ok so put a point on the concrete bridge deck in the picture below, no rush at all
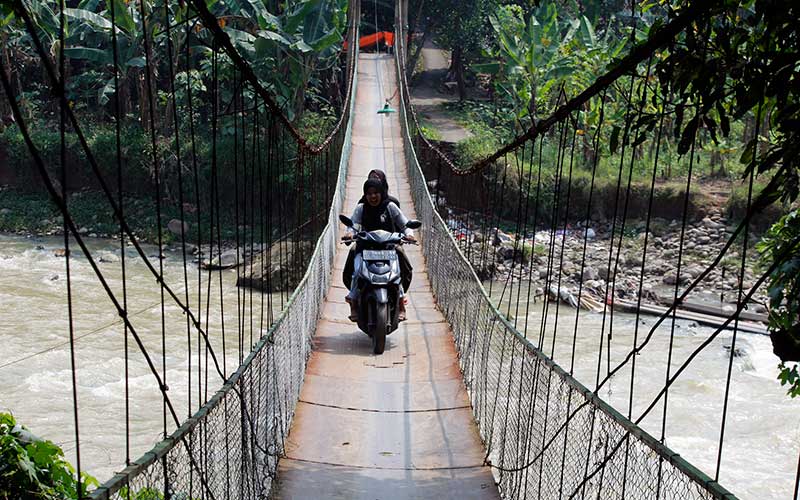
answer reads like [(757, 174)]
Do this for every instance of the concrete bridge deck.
[(397, 425)]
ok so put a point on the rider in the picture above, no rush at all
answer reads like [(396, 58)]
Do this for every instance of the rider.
[(377, 212), (379, 174), (406, 269)]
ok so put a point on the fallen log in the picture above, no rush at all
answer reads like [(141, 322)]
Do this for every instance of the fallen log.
[(703, 319)]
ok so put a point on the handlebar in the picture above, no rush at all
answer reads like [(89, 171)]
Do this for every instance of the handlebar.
[(349, 240)]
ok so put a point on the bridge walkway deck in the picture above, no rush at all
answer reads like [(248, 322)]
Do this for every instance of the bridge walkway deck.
[(397, 425)]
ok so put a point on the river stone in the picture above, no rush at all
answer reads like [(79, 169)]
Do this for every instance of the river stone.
[(694, 271), (279, 268), (506, 251), (228, 259), (5, 211), (604, 273), (670, 278), (655, 268), (108, 258), (590, 274), (174, 226), (633, 259)]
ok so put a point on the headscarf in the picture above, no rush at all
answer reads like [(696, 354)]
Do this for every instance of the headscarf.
[(381, 175), (371, 216)]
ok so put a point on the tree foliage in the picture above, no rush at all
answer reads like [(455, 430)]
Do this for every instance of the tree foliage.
[(35, 468), (539, 53), (292, 50), (743, 59)]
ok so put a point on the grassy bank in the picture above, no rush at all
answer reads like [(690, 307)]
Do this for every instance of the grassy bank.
[(33, 213), (546, 172)]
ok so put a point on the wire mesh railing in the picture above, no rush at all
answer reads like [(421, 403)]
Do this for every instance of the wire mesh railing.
[(538, 266), (544, 430), (211, 190)]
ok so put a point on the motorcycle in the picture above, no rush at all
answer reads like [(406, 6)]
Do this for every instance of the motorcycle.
[(378, 281)]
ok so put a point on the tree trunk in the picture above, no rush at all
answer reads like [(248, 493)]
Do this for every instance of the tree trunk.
[(125, 105), (458, 70), (412, 63), (415, 26), (144, 106), (5, 106)]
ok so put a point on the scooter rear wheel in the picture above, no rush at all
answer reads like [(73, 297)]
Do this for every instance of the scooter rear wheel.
[(380, 328)]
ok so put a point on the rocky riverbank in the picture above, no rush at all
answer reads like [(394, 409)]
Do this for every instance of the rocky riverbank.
[(503, 255)]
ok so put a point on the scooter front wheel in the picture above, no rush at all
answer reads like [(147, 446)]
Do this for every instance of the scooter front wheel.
[(380, 328)]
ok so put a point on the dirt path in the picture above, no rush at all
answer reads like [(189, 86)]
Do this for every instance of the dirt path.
[(427, 98)]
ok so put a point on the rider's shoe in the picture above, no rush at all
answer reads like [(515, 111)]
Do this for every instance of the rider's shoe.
[(353, 310), (401, 313)]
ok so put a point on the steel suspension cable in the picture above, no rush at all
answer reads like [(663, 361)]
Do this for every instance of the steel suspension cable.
[(62, 104)]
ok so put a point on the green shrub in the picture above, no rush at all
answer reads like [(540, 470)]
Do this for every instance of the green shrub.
[(529, 250), (136, 157), (315, 126), (483, 143), (430, 132), (34, 468)]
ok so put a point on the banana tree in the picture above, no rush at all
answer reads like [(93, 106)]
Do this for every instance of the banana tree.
[(288, 49), (94, 30), (531, 55), (537, 57)]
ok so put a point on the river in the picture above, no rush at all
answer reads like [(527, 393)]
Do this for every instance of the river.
[(763, 427), (35, 361), (762, 436)]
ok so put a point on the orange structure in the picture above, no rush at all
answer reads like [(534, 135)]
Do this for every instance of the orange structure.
[(374, 39)]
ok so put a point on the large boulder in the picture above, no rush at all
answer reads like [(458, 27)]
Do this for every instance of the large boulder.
[(175, 225), (670, 278), (227, 260), (279, 268), (590, 274)]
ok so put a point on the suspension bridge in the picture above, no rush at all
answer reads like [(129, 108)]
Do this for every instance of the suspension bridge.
[(475, 396)]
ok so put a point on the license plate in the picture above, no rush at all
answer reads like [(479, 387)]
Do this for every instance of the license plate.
[(379, 255)]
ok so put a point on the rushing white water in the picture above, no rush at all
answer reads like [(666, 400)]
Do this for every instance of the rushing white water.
[(762, 435), (35, 363), (763, 429)]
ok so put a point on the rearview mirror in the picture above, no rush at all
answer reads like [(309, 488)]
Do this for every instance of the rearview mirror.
[(345, 220), (413, 224)]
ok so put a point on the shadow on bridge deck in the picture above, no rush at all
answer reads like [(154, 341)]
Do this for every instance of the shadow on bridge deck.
[(396, 425)]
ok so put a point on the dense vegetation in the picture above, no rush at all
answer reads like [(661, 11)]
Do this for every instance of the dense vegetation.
[(294, 49)]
